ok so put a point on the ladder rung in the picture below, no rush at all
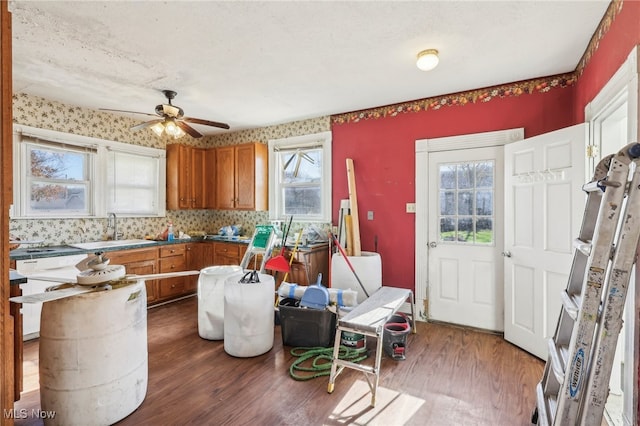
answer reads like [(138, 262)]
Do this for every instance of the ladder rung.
[(558, 357), (571, 304), (583, 247), (546, 407), (600, 185)]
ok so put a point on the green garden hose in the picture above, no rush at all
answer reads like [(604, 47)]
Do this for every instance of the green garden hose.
[(322, 360)]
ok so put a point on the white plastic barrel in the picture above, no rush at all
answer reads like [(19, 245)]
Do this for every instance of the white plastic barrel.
[(211, 300), (369, 270), (248, 316), (93, 356)]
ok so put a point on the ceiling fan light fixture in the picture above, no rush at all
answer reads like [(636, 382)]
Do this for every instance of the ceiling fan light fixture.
[(178, 133), (172, 129), (427, 60), (158, 128)]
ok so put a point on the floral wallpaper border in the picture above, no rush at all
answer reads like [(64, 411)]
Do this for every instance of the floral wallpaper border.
[(487, 94)]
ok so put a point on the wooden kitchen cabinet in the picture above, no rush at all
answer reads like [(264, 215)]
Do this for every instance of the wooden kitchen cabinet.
[(173, 258), (199, 256), (186, 187), (307, 263), (242, 177), (209, 176), (228, 253), (142, 261)]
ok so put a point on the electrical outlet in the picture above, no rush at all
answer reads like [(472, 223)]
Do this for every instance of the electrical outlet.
[(370, 215), (411, 207)]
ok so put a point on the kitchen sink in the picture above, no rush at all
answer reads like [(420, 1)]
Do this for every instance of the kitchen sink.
[(97, 245)]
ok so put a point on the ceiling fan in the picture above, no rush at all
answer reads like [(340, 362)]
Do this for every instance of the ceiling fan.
[(172, 120)]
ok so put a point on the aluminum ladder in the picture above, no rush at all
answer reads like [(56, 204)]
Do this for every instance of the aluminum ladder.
[(575, 383), (261, 245)]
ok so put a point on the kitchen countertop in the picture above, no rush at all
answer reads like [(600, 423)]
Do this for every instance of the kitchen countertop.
[(65, 250), (15, 278)]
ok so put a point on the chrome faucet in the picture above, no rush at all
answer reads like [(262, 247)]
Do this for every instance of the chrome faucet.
[(113, 224)]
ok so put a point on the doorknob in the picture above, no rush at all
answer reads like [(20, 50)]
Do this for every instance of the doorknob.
[(433, 244), (506, 253)]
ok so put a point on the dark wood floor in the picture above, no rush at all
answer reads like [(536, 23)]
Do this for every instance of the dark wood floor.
[(452, 376)]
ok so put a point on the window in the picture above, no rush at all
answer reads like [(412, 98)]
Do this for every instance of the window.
[(132, 183), (300, 178), (65, 175), (466, 202), (57, 179)]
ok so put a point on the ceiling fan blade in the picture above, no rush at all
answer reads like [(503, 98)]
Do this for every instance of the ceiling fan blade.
[(188, 129), (146, 124), (128, 112), (206, 122)]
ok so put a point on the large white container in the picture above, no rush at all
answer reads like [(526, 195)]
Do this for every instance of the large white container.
[(93, 356), (248, 316), (369, 270), (211, 300)]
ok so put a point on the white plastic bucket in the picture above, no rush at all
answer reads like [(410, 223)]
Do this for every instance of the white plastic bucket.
[(369, 270), (93, 356), (211, 300), (248, 316)]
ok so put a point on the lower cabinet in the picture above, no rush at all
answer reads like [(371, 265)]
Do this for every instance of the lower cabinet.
[(173, 258), (140, 262), (228, 253), (195, 257), (307, 263), (199, 256)]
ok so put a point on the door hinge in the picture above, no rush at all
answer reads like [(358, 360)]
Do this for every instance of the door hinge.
[(592, 151)]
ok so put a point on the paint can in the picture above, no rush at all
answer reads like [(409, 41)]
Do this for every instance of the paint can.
[(354, 341)]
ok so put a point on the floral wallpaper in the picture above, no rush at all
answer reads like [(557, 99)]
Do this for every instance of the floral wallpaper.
[(41, 113)]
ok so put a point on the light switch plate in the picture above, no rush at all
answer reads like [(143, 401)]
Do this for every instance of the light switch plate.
[(411, 207), (370, 215)]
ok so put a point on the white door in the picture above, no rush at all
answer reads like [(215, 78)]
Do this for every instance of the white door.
[(465, 237), (544, 205)]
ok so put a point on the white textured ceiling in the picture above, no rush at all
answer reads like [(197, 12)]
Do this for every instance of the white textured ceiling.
[(253, 64)]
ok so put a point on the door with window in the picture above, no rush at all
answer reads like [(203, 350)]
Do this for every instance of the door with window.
[(465, 237)]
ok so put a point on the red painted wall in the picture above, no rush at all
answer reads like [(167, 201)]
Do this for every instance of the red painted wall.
[(613, 50), (383, 149), (383, 152)]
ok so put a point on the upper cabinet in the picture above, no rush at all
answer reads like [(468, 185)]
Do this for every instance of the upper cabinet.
[(241, 177), (186, 170)]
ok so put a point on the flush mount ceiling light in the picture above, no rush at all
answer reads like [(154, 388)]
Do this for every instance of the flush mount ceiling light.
[(427, 59)]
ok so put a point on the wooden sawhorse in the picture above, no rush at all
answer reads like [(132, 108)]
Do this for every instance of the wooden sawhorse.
[(369, 318)]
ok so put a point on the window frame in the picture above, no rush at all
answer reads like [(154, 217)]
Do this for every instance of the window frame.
[(26, 149), (98, 163), (320, 140), (473, 216)]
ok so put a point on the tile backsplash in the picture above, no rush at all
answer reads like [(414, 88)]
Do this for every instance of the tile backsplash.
[(38, 112)]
